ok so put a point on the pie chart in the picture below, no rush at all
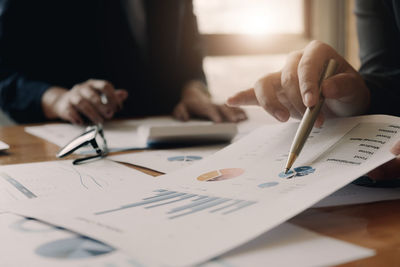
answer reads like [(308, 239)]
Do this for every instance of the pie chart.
[(184, 158), (220, 175), (73, 248)]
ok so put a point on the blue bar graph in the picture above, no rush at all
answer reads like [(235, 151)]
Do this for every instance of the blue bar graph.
[(191, 203)]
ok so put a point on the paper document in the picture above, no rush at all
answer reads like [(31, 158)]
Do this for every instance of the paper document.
[(355, 194), (53, 178), (167, 160), (229, 198), (45, 245), (27, 242), (289, 245)]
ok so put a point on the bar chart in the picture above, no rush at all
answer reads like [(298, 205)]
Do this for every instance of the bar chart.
[(184, 158), (191, 203)]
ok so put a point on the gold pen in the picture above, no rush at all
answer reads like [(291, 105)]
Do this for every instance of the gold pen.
[(309, 118)]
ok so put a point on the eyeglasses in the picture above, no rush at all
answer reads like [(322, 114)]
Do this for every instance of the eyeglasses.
[(94, 136)]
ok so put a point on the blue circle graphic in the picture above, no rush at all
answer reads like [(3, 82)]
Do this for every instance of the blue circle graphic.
[(297, 172), (287, 175)]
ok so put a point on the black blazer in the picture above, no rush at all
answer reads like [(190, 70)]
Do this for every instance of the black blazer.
[(45, 43), (378, 25)]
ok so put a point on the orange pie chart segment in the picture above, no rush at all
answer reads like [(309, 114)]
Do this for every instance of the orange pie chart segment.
[(220, 175)]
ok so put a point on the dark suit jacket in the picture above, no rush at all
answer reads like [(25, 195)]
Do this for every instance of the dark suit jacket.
[(378, 24), (64, 42)]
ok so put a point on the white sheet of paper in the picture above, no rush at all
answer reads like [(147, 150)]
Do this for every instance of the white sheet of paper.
[(170, 160), (38, 244), (167, 160), (52, 178), (229, 198), (27, 242), (290, 245), (355, 194)]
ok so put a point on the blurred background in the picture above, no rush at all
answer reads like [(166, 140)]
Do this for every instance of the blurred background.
[(245, 40)]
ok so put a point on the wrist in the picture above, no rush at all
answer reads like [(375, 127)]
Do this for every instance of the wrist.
[(50, 99)]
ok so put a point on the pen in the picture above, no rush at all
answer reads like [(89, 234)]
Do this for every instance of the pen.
[(309, 117)]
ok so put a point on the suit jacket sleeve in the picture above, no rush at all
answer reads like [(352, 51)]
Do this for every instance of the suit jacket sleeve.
[(379, 37), (20, 97)]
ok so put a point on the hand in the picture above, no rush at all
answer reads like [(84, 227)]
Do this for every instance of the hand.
[(389, 170), (83, 99), (196, 102), (288, 92)]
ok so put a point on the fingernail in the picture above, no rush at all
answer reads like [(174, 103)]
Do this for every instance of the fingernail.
[(308, 97), (280, 115)]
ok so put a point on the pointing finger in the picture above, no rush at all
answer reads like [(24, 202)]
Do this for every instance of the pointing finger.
[(243, 98)]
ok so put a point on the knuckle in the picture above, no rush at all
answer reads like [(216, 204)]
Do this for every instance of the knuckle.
[(294, 55), (106, 85), (289, 79), (316, 43), (76, 88), (319, 46), (93, 97), (103, 83)]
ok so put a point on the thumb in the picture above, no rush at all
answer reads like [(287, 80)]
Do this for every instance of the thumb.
[(246, 97)]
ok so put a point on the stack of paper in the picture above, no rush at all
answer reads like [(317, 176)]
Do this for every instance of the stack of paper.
[(229, 198)]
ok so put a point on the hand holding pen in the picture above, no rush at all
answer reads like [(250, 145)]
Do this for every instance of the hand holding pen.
[(309, 117), (289, 92), (93, 102)]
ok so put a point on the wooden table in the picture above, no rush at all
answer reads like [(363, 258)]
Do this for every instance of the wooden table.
[(375, 225)]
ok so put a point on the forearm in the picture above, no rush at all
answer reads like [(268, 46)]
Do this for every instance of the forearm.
[(21, 98)]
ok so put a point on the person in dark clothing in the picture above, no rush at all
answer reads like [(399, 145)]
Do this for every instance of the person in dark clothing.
[(96, 59), (375, 88)]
